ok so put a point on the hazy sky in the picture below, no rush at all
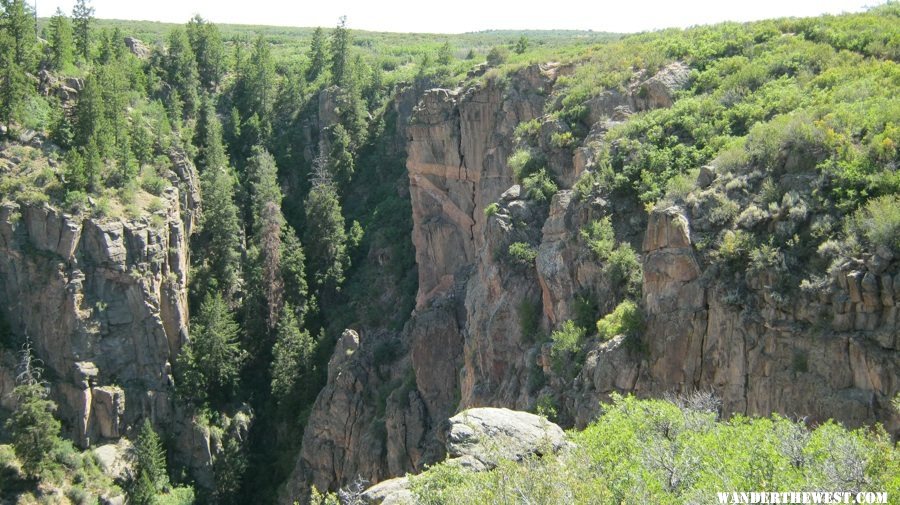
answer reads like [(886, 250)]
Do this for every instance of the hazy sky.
[(456, 16)]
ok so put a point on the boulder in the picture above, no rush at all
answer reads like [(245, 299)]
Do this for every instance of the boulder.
[(115, 459), (490, 434), (390, 492)]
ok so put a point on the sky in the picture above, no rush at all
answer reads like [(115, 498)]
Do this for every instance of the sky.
[(458, 16)]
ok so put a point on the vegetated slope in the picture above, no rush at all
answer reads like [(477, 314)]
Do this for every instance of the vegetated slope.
[(657, 451), (525, 188), (681, 210)]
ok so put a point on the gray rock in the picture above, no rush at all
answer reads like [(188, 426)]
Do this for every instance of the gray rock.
[(389, 492), (137, 47), (490, 434), (706, 177), (115, 459), (513, 193)]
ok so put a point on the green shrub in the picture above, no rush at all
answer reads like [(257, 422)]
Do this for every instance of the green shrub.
[(624, 268), (155, 205), (626, 319), (153, 183), (584, 186), (586, 310), (724, 211), (539, 186), (527, 131), (177, 496), (680, 186), (387, 351), (523, 163), (567, 338), (491, 209), (546, 406), (735, 247), (878, 222), (37, 113), (562, 140), (599, 237), (75, 201), (497, 55), (792, 136), (522, 253)]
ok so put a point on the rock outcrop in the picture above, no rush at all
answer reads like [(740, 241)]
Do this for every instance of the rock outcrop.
[(104, 302), (459, 143), (474, 339), (489, 435), (137, 48), (477, 440)]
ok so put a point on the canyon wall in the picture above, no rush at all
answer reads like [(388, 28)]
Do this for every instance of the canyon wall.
[(831, 352), (103, 301)]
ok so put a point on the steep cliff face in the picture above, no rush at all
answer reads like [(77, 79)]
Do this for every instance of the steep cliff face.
[(475, 336), (830, 353), (104, 302)]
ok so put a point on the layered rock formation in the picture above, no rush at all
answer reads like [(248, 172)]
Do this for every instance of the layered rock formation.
[(104, 302)]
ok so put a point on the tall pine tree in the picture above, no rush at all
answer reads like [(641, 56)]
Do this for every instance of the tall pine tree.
[(317, 55), (83, 17), (220, 238), (291, 358), (340, 45), (17, 21), (325, 235), (267, 229), (150, 478), (180, 68), (209, 51), (211, 361), (33, 430), (61, 44)]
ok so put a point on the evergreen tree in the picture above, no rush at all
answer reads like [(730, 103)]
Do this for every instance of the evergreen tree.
[(202, 138), (211, 361), (291, 356), (82, 17), (150, 478), (91, 114), (229, 468), (17, 43), (317, 55), (260, 81), (180, 68), (340, 45), (209, 51), (17, 22), (445, 54), (341, 159), (267, 229), (522, 45), (61, 43), (14, 88), (141, 140), (101, 120), (325, 236), (293, 272), (221, 234), (33, 430), (112, 47)]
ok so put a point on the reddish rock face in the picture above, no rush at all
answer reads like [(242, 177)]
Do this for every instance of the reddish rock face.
[(832, 353)]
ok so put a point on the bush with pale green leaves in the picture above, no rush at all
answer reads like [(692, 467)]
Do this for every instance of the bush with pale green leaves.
[(676, 452)]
